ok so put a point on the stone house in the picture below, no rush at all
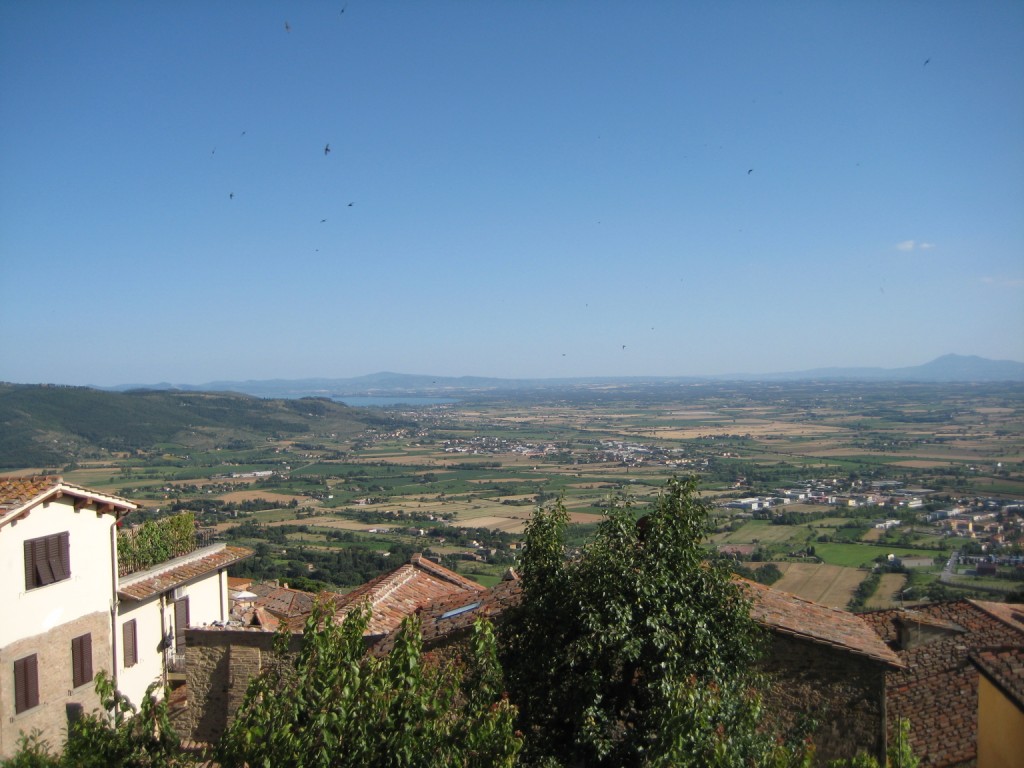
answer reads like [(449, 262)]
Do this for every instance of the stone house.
[(74, 612), (221, 660), (825, 663), (937, 688), (1000, 707)]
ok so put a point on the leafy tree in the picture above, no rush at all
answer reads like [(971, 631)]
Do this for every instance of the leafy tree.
[(335, 705), (121, 737), (899, 754), (636, 651)]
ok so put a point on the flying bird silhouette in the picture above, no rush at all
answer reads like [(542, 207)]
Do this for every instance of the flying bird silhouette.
[(351, 204), (327, 149), (231, 195), (926, 62), (322, 220), (287, 27), (750, 171)]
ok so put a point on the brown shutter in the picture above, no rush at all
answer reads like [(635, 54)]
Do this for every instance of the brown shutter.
[(44, 575), (128, 635), (180, 624), (47, 559), (30, 566), (54, 556), (26, 683), (64, 544), (81, 660)]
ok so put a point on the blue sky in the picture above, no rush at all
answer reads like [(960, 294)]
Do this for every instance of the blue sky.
[(514, 189)]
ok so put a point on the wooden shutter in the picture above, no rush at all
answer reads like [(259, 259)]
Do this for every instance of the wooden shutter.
[(180, 624), (41, 558), (30, 566), (47, 559), (60, 555), (26, 683), (130, 639), (81, 660)]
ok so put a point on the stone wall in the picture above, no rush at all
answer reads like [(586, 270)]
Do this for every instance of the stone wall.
[(58, 700), (839, 696), (219, 663)]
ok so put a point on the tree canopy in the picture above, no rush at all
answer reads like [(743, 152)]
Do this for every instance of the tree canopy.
[(636, 650)]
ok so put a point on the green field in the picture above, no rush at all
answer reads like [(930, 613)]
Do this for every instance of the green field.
[(863, 555)]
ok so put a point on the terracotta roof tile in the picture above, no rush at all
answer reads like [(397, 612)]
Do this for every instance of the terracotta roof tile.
[(179, 571), (19, 494), (1011, 614), (399, 593), (445, 619), (938, 688), (795, 616), (1005, 668), (283, 602)]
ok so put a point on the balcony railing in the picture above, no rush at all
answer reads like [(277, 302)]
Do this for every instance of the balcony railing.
[(158, 541), (175, 662)]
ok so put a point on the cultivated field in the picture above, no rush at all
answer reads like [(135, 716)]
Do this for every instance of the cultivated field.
[(830, 585)]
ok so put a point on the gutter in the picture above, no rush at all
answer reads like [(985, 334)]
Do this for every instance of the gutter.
[(113, 601)]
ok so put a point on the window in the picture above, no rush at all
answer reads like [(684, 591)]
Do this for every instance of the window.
[(181, 623), (26, 683), (81, 660), (129, 634), (47, 560)]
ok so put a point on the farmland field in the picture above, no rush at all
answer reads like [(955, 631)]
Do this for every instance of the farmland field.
[(830, 585), (485, 463)]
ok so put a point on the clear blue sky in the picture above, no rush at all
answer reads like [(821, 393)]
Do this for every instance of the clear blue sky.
[(514, 189)]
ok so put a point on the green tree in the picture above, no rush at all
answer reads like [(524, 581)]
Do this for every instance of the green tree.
[(336, 705), (119, 736), (636, 651)]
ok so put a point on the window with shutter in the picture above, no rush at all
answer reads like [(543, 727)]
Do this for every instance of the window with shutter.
[(81, 660), (47, 560), (181, 622), (130, 637), (26, 683)]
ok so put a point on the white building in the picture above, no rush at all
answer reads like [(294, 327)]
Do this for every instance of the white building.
[(71, 613)]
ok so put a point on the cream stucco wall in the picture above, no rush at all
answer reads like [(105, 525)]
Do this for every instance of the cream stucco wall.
[(133, 681), (1000, 728), (208, 601), (89, 589)]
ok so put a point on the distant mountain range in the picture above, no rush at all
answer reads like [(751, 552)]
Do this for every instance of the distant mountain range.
[(948, 368)]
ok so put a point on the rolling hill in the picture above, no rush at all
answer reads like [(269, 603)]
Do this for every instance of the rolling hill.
[(52, 425)]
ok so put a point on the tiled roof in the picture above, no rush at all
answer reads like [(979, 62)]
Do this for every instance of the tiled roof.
[(180, 570), (777, 611), (283, 602), (447, 618), (938, 688), (1011, 614), (239, 583), (396, 594), (1005, 668), (795, 616), (20, 494)]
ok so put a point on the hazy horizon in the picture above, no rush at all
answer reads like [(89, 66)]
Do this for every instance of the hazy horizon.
[(511, 190)]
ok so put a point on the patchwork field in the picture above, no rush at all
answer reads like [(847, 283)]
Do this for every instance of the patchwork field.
[(830, 585), (887, 594)]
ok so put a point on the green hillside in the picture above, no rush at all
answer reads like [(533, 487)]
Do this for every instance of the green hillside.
[(43, 426)]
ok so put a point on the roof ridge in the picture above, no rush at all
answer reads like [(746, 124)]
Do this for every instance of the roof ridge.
[(401, 575), (423, 563), (1016, 608)]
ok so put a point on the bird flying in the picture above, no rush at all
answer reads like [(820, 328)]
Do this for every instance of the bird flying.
[(327, 149)]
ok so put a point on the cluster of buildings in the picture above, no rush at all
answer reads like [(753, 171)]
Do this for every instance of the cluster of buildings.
[(954, 669)]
